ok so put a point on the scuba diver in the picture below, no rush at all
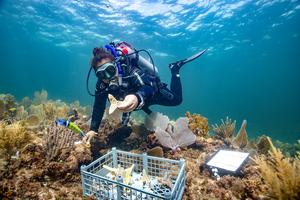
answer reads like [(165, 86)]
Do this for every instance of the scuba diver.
[(128, 76)]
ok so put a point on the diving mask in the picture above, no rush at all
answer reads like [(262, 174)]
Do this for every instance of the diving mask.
[(106, 71)]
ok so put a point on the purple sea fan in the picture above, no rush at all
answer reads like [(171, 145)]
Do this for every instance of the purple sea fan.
[(155, 120), (176, 136)]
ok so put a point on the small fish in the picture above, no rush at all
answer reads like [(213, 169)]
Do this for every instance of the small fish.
[(113, 104), (12, 109)]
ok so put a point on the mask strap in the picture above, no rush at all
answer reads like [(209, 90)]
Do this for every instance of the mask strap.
[(113, 51)]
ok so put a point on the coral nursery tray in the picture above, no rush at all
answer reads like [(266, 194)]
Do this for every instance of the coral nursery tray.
[(124, 175)]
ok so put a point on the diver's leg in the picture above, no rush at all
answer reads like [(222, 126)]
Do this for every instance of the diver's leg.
[(176, 88), (166, 96), (172, 96)]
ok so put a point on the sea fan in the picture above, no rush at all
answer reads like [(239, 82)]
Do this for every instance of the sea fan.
[(178, 136), (155, 120)]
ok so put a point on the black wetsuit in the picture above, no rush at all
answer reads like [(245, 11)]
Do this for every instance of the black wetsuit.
[(141, 84)]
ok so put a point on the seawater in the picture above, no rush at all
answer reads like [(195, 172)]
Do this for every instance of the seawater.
[(251, 69)]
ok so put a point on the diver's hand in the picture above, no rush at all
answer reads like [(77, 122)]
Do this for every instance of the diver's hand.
[(129, 104), (88, 136)]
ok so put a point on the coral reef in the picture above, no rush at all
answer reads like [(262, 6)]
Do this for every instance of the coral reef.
[(83, 110), (35, 176), (46, 110), (225, 129), (288, 149), (40, 97), (198, 124), (26, 102), (12, 138), (2, 109), (21, 113), (32, 120), (31, 168), (282, 174), (39, 160), (7, 107), (37, 110), (201, 185)]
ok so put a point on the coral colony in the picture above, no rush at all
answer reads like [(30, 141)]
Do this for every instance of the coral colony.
[(40, 160)]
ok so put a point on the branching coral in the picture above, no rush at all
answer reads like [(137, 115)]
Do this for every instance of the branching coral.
[(37, 110), (58, 140), (40, 97), (21, 113), (225, 129), (55, 109), (49, 110), (32, 120), (12, 138), (10, 101), (282, 174), (26, 102), (7, 106), (2, 109), (287, 148), (198, 124), (61, 110)]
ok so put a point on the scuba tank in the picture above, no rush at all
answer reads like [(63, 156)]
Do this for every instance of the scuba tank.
[(127, 50)]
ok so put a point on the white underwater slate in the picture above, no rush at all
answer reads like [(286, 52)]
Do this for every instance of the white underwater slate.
[(228, 160)]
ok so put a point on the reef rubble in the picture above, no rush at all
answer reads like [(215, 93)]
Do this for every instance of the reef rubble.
[(39, 160)]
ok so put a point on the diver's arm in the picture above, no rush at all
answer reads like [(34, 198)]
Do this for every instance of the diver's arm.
[(146, 90), (143, 94), (99, 107)]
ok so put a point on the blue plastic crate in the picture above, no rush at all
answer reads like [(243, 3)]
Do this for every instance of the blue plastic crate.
[(95, 180)]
